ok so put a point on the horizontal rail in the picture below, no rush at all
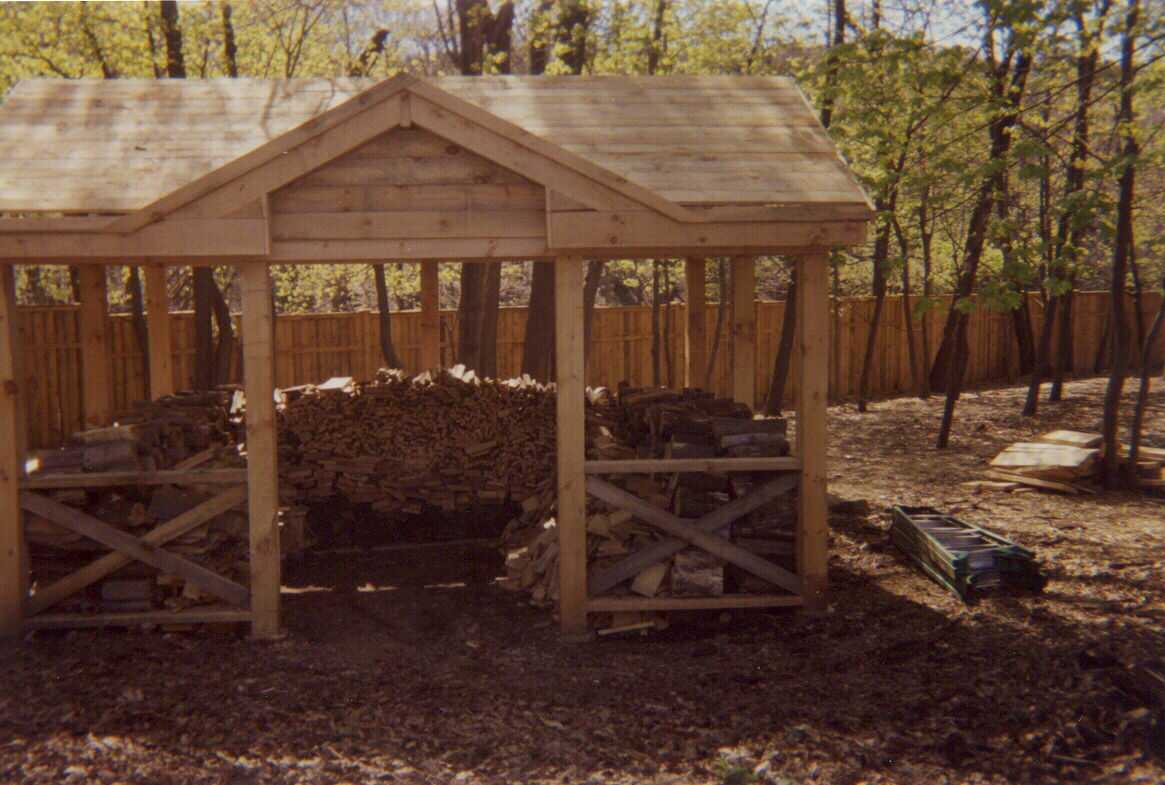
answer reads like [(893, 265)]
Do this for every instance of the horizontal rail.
[(46, 482), (58, 621), (674, 465), (610, 604)]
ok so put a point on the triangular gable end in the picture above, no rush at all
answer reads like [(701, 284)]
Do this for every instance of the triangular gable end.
[(400, 102)]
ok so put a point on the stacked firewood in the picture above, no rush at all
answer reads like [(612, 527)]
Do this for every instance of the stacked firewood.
[(401, 445), (657, 423), (183, 431), (152, 435)]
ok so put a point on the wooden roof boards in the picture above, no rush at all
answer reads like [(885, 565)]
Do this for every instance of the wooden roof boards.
[(627, 163)]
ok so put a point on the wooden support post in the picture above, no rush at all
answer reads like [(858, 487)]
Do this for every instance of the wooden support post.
[(813, 362), (96, 366), (13, 565), (696, 342), (572, 498), (158, 330), (430, 316), (744, 330), (262, 479)]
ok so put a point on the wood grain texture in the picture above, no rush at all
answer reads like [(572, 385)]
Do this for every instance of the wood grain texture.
[(13, 568), (128, 143), (159, 332), (743, 277), (95, 355), (572, 500), (262, 457), (812, 437)]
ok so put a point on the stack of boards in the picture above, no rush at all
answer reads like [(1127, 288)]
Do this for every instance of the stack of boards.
[(967, 559), (1067, 462)]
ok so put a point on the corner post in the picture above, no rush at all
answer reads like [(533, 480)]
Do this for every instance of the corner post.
[(430, 316), (96, 365), (158, 332), (813, 363), (262, 478), (695, 340), (744, 330), (13, 563), (572, 499)]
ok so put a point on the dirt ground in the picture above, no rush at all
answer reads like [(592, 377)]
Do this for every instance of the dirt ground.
[(416, 668)]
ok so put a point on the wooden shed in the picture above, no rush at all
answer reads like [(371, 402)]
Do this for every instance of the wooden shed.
[(253, 173)]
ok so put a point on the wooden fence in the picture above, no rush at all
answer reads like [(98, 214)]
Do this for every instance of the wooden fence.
[(313, 347)]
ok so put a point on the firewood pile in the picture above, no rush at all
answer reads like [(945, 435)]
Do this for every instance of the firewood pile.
[(401, 445), (1067, 462), (659, 423), (183, 431)]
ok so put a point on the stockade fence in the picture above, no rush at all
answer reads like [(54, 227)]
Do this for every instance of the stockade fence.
[(313, 347)]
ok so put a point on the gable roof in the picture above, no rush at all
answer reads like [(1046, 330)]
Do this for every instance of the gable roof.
[(120, 146)]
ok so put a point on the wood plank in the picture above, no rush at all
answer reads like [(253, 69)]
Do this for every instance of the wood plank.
[(95, 352), (262, 457), (695, 334), (677, 527), (158, 329), (713, 522), (625, 230), (373, 251), (299, 198), (688, 465), (352, 118), (812, 438), (571, 449), (189, 238), (466, 168), (13, 565), (410, 225), (66, 621), (95, 529), (430, 316), (108, 564), (724, 602), (743, 281), (46, 482)]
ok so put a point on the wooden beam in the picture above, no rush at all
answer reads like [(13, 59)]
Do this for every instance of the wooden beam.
[(172, 564), (695, 337), (430, 316), (172, 239), (112, 562), (593, 231), (96, 363), (813, 362), (744, 330), (703, 465), (158, 329), (262, 467), (684, 530), (724, 602), (712, 522), (65, 621), (116, 479), (13, 567), (572, 497)]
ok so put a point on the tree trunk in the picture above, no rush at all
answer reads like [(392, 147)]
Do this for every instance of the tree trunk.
[(926, 234), (387, 350), (656, 376), (916, 372), (833, 65), (721, 315), (881, 253), (594, 275), (1143, 390), (138, 307), (469, 314), (204, 366), (1066, 347), (1121, 257), (538, 349), (225, 350), (490, 313), (775, 400), (668, 360), (229, 49), (1031, 404)]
